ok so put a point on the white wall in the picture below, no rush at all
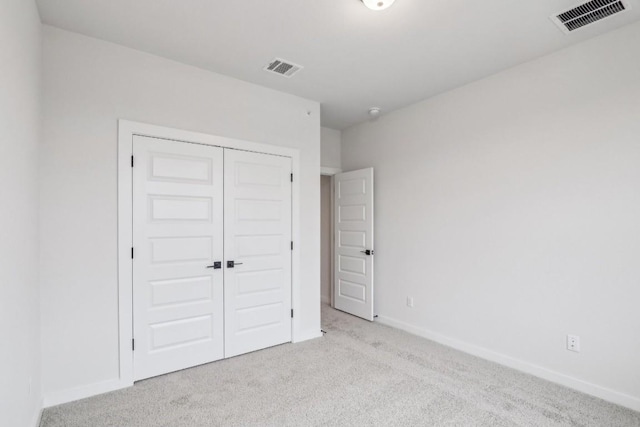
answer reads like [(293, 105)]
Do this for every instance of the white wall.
[(330, 141), (510, 210), (90, 84), (20, 120)]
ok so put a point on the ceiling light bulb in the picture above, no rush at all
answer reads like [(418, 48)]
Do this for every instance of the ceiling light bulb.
[(378, 4)]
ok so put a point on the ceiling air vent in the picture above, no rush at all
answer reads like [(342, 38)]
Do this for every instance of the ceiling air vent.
[(282, 67), (588, 13)]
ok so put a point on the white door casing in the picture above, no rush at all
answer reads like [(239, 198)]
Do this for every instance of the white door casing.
[(177, 235), (354, 244), (257, 210)]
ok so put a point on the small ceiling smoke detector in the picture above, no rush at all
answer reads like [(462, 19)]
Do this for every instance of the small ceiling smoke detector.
[(282, 67), (378, 4), (374, 112), (588, 13)]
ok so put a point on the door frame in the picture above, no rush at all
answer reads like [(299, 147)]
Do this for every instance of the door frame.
[(330, 172), (126, 131)]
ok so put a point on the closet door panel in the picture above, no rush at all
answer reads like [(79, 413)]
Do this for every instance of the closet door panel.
[(177, 234), (257, 215)]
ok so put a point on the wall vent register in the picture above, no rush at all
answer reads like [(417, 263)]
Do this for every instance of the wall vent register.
[(283, 67), (589, 13)]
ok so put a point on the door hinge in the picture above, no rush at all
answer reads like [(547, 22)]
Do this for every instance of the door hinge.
[(133, 345), (131, 253), (131, 161), (292, 245), (291, 177), (292, 313)]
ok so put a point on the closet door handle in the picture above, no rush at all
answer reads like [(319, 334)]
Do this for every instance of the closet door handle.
[(231, 264), (216, 265)]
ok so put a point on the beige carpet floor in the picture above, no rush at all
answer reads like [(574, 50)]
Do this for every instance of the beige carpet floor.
[(358, 374)]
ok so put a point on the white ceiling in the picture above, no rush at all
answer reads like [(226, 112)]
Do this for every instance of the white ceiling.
[(354, 58)]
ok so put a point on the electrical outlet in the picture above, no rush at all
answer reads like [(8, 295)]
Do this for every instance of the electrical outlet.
[(410, 302), (573, 343)]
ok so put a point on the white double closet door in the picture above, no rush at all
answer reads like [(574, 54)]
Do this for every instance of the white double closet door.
[(211, 254)]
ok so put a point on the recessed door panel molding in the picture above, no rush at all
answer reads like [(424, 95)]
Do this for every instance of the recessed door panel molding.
[(172, 208), (177, 291), (180, 333), (351, 239), (352, 265), (178, 314), (258, 318), (354, 248), (179, 250), (258, 246), (259, 210), (258, 239), (260, 281), (248, 174), (357, 213), (352, 291), (180, 168), (351, 187)]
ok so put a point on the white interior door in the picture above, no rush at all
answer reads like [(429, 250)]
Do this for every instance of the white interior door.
[(177, 237), (353, 225), (257, 212)]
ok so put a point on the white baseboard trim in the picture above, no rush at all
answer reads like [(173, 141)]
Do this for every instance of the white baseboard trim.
[(77, 393), (307, 335), (604, 393)]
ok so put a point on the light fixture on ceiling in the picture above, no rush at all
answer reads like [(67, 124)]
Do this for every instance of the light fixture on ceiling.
[(374, 112), (378, 4)]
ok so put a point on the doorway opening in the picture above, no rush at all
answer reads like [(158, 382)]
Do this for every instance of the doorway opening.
[(347, 241), (326, 239)]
